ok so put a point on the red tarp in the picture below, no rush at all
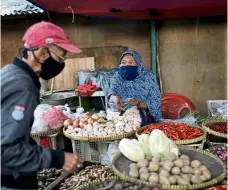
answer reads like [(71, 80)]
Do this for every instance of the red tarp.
[(137, 9)]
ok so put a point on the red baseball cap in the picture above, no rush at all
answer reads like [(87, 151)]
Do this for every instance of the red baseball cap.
[(45, 33)]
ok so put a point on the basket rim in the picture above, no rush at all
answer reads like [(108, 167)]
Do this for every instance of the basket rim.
[(99, 139), (46, 133), (215, 133), (181, 142), (176, 187)]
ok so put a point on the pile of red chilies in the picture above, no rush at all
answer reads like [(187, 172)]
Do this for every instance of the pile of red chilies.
[(221, 128), (175, 131)]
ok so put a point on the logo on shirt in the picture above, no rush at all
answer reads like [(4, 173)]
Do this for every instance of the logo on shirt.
[(18, 113)]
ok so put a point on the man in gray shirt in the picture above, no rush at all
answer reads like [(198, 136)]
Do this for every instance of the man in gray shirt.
[(46, 46)]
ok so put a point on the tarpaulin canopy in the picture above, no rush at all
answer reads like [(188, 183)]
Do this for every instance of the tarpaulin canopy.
[(137, 9)]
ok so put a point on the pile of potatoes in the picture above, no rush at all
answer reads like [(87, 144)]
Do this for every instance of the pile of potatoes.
[(171, 170)]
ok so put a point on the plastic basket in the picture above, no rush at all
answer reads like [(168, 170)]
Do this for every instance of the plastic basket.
[(90, 151)]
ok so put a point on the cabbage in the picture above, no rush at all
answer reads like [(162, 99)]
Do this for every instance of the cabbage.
[(131, 149), (160, 145), (144, 141)]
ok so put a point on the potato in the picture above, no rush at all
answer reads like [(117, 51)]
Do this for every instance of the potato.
[(143, 163), (164, 173), (186, 162), (169, 163), (184, 157), (134, 173), (175, 170), (196, 179), (153, 167), (164, 180), (203, 178), (172, 157), (203, 167), (196, 171), (172, 180), (195, 164), (155, 159), (149, 157), (181, 181), (162, 163), (176, 176), (144, 169), (133, 165), (144, 176), (187, 170), (207, 174), (186, 177), (153, 179), (179, 163)]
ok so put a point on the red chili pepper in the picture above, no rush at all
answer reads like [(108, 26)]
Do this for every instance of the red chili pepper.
[(175, 131)]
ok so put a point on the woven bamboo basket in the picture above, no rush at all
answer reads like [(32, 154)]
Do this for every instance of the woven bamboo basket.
[(215, 165), (206, 126), (99, 139), (46, 133), (181, 142)]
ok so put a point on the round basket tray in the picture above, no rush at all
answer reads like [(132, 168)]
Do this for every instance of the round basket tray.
[(206, 126), (46, 133), (181, 142), (121, 164), (98, 139)]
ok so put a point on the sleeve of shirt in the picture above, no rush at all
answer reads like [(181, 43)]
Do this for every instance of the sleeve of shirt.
[(17, 111)]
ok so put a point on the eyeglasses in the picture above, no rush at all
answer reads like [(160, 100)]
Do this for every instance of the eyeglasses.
[(63, 59)]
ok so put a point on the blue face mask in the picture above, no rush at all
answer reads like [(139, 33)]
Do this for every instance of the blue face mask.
[(128, 72)]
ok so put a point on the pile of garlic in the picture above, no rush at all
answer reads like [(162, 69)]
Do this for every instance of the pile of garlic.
[(130, 121)]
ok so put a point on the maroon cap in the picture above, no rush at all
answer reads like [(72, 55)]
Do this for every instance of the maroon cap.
[(45, 33)]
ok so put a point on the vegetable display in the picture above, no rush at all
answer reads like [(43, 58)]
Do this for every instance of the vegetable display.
[(90, 173), (93, 126), (157, 145), (175, 131), (121, 185), (47, 176), (220, 127), (172, 170)]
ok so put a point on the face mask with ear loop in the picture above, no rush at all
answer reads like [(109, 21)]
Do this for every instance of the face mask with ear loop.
[(49, 68)]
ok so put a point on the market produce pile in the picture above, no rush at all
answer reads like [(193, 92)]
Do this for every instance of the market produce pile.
[(121, 185), (220, 127), (47, 176), (175, 131), (171, 170), (221, 152), (156, 160), (94, 126), (90, 173)]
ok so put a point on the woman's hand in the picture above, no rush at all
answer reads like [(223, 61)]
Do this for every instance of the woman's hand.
[(136, 102)]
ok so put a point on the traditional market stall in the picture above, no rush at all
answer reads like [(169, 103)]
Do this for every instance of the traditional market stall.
[(184, 150)]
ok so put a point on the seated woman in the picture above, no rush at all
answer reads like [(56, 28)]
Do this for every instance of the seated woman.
[(134, 81)]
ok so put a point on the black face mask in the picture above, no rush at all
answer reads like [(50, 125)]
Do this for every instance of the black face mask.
[(51, 68)]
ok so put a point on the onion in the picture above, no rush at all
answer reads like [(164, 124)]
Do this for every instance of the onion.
[(76, 124), (67, 122), (86, 115), (95, 116), (90, 121), (82, 124), (101, 120)]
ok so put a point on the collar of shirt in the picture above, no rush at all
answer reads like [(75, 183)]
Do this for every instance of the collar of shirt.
[(25, 67)]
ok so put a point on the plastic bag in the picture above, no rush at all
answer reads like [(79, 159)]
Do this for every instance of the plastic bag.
[(112, 151), (39, 125), (54, 117)]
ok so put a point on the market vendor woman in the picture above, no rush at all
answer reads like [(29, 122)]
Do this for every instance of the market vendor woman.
[(132, 80)]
